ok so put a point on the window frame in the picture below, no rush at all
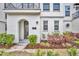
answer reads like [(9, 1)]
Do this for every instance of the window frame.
[(67, 11), (56, 25), (47, 8), (45, 24), (54, 7)]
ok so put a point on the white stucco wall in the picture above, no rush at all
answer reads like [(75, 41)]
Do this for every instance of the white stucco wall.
[(2, 27), (12, 25), (51, 25), (2, 18), (75, 25), (69, 29)]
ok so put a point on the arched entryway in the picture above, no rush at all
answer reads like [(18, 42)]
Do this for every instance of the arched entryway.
[(23, 29)]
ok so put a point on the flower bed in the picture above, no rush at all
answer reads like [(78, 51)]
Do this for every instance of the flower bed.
[(37, 46), (57, 41), (42, 45)]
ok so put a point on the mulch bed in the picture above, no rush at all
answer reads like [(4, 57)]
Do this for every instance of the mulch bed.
[(6, 47), (52, 46), (37, 46)]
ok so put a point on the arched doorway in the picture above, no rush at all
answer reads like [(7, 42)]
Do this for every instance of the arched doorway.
[(23, 29)]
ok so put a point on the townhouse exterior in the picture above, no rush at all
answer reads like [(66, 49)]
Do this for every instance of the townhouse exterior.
[(24, 19), (2, 19)]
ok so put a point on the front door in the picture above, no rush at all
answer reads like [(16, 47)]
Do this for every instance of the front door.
[(26, 29)]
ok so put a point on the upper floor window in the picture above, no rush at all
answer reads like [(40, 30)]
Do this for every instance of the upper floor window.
[(77, 8), (67, 10), (4, 5), (30, 5), (56, 25), (46, 6), (76, 5), (45, 25), (56, 6)]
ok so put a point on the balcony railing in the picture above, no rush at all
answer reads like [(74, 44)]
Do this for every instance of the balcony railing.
[(75, 15), (18, 6)]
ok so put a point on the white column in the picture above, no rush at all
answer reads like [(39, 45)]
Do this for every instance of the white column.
[(22, 30)]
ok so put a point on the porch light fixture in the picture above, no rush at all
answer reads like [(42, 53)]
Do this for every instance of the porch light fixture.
[(67, 25), (36, 22)]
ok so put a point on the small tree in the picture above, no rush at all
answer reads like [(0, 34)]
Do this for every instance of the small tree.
[(32, 39), (72, 51)]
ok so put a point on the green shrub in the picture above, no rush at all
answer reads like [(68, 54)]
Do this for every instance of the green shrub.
[(77, 42), (56, 33), (32, 39), (9, 39), (52, 53), (3, 53), (72, 51), (45, 44), (67, 33), (3, 38), (6, 39), (39, 52)]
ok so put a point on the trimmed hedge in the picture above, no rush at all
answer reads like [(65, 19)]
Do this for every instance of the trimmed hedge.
[(6, 39)]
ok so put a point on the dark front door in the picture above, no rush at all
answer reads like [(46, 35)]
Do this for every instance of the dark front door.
[(26, 29)]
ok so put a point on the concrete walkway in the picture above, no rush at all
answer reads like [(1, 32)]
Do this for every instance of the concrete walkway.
[(20, 46)]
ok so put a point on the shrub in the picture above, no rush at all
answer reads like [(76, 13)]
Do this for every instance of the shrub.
[(69, 36), (77, 42), (45, 44), (77, 35), (3, 53), (72, 51), (52, 53), (39, 53), (67, 33), (9, 39), (6, 39), (56, 33), (3, 38), (32, 39)]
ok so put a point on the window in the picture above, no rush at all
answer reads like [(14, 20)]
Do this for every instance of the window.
[(76, 5), (45, 25), (30, 5), (4, 5), (67, 10), (56, 6), (46, 6), (56, 26), (77, 8)]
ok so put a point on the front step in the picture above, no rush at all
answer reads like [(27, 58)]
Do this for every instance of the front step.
[(23, 42)]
